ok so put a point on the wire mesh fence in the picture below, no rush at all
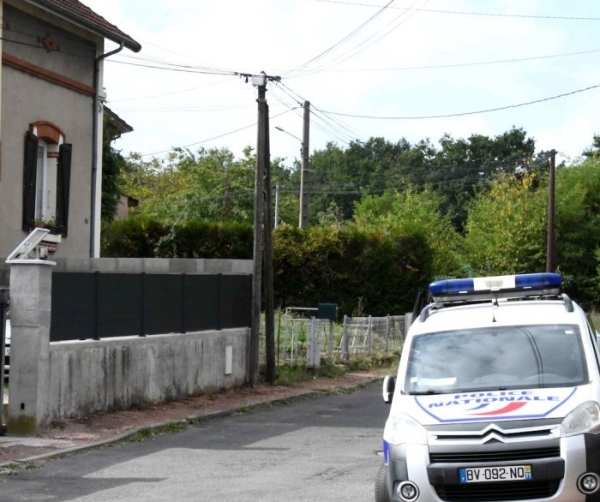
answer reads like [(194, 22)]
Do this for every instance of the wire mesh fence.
[(301, 338)]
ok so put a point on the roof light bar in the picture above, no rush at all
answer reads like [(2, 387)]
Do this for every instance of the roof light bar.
[(505, 286)]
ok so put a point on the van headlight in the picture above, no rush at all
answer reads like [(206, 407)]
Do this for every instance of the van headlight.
[(402, 428), (584, 418)]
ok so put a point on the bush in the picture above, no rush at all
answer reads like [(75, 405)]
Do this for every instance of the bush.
[(146, 238), (378, 273), (325, 265)]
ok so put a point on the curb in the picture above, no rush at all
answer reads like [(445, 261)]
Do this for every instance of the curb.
[(191, 420)]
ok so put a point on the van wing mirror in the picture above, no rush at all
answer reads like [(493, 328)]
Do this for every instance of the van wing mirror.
[(389, 384)]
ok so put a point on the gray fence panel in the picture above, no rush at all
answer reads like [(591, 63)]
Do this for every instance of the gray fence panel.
[(119, 304), (163, 304), (95, 305), (73, 306), (202, 302)]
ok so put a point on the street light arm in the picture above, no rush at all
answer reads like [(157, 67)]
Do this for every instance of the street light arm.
[(289, 133)]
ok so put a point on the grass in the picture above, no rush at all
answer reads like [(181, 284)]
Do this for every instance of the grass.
[(148, 432), (58, 424), (291, 374)]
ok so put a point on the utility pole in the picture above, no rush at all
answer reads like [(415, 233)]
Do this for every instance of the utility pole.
[(260, 82), (304, 174), (262, 214), (268, 266), (551, 205)]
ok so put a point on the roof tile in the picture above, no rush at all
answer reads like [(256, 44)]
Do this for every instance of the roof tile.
[(80, 13)]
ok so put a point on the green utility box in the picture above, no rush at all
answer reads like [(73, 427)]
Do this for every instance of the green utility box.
[(327, 311)]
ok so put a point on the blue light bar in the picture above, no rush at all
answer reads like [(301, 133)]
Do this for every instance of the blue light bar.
[(542, 280), (451, 286), (500, 286)]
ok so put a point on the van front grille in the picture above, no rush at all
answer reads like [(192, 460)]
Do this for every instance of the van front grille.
[(506, 491), (494, 456)]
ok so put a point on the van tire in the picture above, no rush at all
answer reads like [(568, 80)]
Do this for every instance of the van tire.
[(381, 485)]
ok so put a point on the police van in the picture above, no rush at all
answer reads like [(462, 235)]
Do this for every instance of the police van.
[(496, 397)]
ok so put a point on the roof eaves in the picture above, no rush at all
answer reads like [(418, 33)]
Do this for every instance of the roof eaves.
[(106, 29), (123, 126)]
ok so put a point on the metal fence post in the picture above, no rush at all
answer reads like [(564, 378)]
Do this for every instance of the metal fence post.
[(370, 335), (407, 323), (330, 351), (387, 333), (314, 353), (345, 348)]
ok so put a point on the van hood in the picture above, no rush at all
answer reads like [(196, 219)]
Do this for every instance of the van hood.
[(493, 405)]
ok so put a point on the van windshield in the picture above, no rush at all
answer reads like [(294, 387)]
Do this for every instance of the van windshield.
[(496, 359)]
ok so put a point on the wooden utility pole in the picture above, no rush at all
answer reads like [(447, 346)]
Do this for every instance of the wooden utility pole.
[(304, 174), (268, 265), (261, 155), (551, 206)]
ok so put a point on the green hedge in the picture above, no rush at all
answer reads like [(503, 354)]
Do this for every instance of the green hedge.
[(146, 238), (364, 273)]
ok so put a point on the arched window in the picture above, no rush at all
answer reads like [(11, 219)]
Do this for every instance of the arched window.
[(46, 179)]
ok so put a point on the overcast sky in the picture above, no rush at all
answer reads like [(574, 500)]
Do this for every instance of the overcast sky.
[(351, 57)]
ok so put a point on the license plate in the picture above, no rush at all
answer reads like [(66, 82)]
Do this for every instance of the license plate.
[(499, 473)]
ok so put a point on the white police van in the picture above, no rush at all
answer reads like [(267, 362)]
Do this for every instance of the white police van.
[(496, 398)]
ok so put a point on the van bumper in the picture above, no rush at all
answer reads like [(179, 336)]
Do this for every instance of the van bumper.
[(557, 478)]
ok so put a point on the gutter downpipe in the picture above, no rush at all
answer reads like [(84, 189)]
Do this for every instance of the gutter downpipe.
[(95, 145)]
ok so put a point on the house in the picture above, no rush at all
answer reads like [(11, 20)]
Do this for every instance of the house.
[(51, 109)]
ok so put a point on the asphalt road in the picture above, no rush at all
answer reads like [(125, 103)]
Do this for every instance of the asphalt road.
[(326, 448)]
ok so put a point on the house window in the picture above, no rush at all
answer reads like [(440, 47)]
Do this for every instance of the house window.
[(41, 189), (46, 179)]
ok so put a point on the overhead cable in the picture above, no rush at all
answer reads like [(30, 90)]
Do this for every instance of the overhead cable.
[(462, 114), (349, 36), (209, 139), (470, 13), (461, 65)]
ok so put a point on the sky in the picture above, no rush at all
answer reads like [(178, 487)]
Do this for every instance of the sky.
[(369, 68)]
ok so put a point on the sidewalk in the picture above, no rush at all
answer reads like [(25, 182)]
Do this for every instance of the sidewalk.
[(69, 436)]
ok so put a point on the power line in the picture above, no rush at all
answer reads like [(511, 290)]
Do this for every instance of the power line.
[(183, 109), (350, 35), (461, 65), (462, 114), (469, 13), (360, 47), (339, 133), (171, 93), (177, 68), (209, 139), (326, 125)]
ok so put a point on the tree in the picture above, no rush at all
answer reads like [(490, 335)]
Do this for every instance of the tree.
[(414, 212), (209, 185), (577, 223), (457, 169), (114, 167), (462, 168), (594, 150), (506, 227)]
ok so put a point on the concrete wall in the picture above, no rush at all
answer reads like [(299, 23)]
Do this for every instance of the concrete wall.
[(56, 380), (90, 376)]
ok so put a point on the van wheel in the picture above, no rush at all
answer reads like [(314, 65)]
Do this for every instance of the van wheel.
[(381, 488)]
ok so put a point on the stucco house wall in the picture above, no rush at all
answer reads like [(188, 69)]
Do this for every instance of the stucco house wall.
[(27, 99), (51, 62)]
